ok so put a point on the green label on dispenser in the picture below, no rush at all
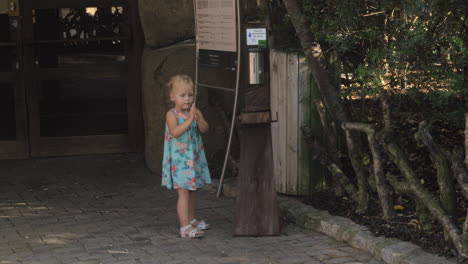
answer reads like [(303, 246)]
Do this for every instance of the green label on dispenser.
[(262, 44)]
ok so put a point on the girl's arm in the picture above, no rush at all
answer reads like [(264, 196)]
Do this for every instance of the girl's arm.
[(177, 130), (202, 124)]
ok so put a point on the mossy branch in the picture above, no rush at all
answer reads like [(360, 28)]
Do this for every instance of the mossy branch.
[(383, 189), (442, 165), (424, 196)]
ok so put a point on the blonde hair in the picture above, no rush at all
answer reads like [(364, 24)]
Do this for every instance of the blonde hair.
[(179, 78)]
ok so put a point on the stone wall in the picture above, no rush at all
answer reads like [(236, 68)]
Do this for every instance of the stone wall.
[(165, 24)]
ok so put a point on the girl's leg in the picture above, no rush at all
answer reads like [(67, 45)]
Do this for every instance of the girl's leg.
[(183, 206), (183, 211), (192, 204)]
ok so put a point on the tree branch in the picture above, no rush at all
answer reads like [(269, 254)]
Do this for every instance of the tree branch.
[(424, 196), (442, 165), (383, 189), (461, 174), (466, 140), (354, 154)]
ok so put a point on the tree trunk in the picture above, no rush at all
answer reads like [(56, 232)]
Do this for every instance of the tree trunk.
[(317, 62), (330, 135), (318, 67)]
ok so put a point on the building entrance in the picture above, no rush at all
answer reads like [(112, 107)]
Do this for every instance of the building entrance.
[(69, 83)]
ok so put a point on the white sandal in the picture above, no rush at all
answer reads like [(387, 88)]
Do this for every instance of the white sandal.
[(202, 225), (194, 233)]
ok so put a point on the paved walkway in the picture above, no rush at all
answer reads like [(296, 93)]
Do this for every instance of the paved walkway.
[(110, 209)]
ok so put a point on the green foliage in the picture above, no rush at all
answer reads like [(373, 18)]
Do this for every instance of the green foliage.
[(283, 30), (410, 47)]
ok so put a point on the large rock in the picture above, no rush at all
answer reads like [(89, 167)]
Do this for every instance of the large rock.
[(166, 22), (157, 68)]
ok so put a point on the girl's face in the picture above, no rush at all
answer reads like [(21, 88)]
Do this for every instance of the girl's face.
[(182, 95)]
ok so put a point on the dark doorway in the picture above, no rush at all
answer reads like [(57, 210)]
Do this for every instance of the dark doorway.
[(7, 112), (78, 65), (13, 139)]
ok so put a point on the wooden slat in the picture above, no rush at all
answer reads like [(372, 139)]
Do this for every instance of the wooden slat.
[(61, 146), (89, 72), (274, 57), (282, 119), (274, 112), (304, 120), (292, 123), (278, 129), (276, 156)]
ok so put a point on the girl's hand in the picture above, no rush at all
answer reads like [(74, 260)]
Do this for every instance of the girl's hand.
[(193, 112), (202, 124)]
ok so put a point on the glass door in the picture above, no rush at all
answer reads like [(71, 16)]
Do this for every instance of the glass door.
[(80, 61), (13, 134)]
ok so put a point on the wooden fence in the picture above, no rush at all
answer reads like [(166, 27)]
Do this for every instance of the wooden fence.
[(291, 108)]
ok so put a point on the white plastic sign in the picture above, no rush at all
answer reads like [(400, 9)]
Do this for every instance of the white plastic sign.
[(254, 35)]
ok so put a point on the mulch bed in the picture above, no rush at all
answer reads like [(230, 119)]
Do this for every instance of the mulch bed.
[(447, 130), (404, 226)]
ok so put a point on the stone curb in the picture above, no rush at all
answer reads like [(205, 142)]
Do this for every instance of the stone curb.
[(391, 251)]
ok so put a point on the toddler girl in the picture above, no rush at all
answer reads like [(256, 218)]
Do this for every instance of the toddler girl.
[(184, 164)]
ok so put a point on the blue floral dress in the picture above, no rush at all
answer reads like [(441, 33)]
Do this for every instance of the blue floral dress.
[(184, 163)]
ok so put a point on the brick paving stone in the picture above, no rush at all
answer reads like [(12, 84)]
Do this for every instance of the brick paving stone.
[(83, 219)]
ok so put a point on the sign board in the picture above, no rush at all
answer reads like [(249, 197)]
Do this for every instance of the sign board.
[(256, 37), (216, 24)]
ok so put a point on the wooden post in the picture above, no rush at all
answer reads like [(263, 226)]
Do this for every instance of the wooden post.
[(257, 212)]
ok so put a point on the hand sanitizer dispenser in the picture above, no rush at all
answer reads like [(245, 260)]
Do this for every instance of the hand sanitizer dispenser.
[(256, 45), (256, 63)]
